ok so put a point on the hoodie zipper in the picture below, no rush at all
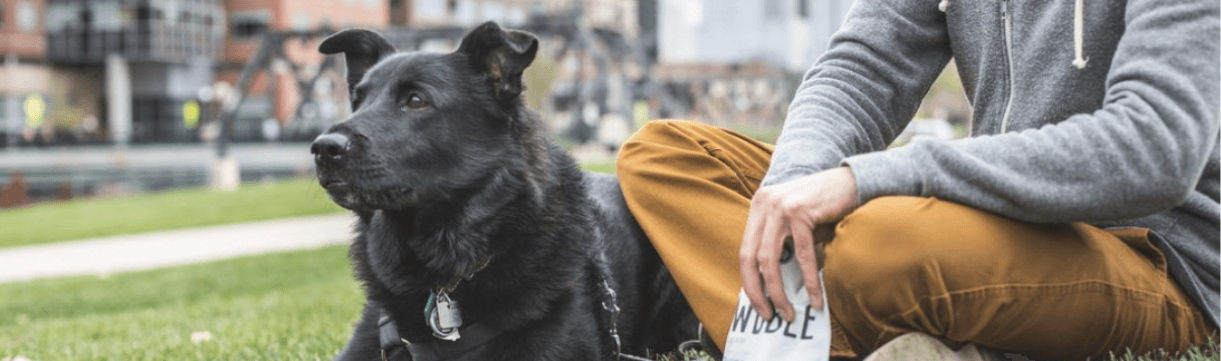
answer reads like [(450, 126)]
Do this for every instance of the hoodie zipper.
[(1008, 18)]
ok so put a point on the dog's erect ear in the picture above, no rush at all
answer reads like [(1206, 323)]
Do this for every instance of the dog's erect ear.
[(361, 49), (501, 54)]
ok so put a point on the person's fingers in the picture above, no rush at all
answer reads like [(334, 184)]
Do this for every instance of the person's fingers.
[(748, 263), (770, 247), (803, 249)]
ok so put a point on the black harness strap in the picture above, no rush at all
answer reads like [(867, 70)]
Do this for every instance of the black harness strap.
[(474, 336), (478, 334)]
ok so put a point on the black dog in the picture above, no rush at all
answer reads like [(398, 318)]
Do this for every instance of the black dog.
[(477, 238)]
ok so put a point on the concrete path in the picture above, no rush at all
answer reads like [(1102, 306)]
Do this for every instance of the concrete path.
[(167, 248), (274, 155)]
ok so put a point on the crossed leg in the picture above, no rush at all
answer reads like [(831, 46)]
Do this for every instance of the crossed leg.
[(909, 264)]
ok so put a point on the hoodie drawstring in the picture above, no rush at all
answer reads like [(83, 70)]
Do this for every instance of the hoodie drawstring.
[(1079, 59), (1079, 34)]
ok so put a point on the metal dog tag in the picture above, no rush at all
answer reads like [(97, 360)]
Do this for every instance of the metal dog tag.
[(444, 317)]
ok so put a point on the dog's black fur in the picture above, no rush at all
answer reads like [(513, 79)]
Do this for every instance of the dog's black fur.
[(445, 168)]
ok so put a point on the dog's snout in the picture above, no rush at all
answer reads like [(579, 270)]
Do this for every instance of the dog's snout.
[(330, 146)]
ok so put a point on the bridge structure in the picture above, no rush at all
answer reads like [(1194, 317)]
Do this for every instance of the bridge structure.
[(598, 84)]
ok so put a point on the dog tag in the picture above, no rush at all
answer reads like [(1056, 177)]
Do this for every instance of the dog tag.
[(444, 317)]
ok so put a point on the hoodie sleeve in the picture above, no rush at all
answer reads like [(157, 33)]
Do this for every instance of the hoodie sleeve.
[(865, 88), (1143, 152)]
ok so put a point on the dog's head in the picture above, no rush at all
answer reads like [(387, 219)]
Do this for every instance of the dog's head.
[(425, 126)]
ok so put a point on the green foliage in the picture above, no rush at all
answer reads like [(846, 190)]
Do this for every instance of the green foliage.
[(101, 217), (286, 306)]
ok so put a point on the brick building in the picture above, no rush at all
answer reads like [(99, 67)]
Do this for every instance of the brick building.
[(70, 68), (270, 107), (155, 71), (25, 78)]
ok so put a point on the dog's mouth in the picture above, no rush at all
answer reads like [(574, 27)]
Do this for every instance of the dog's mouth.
[(334, 185), (346, 195)]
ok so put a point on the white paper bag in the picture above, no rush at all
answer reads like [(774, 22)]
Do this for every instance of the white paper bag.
[(808, 337)]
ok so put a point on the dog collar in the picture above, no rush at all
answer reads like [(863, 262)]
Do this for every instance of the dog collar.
[(474, 337)]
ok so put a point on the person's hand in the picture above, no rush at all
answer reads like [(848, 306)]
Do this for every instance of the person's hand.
[(793, 209)]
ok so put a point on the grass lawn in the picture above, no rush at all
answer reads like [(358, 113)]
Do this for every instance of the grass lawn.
[(285, 306), (51, 222), (100, 217)]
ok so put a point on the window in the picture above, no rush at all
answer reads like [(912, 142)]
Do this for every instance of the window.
[(301, 22), (145, 13), (248, 23), (107, 16), (27, 16), (60, 16)]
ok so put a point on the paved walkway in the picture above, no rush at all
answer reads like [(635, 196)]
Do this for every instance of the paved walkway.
[(167, 248), (264, 155)]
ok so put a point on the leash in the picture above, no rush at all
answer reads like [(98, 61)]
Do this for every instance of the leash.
[(610, 304)]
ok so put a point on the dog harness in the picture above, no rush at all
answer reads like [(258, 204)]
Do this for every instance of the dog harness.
[(474, 337), (477, 335)]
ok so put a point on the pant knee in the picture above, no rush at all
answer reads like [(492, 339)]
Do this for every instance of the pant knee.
[(644, 145), (661, 143), (887, 253)]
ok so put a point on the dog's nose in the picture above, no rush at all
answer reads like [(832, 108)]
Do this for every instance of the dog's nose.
[(330, 146)]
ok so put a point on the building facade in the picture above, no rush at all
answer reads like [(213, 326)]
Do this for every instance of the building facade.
[(26, 81), (151, 58), (150, 71), (271, 102), (790, 34)]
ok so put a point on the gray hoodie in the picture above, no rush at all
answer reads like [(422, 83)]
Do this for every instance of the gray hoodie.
[(1098, 111)]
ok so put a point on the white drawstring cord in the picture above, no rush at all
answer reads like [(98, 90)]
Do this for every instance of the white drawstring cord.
[(1078, 31), (1079, 34)]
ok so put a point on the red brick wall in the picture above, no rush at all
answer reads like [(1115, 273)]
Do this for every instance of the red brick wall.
[(288, 15), (23, 44)]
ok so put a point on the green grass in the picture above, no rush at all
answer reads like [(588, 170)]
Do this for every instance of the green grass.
[(600, 167), (100, 217), (767, 135), (1208, 352), (285, 306)]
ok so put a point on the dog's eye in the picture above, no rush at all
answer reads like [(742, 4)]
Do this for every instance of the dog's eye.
[(414, 102)]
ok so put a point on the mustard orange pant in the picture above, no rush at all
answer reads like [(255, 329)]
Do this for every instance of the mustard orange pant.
[(909, 264)]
